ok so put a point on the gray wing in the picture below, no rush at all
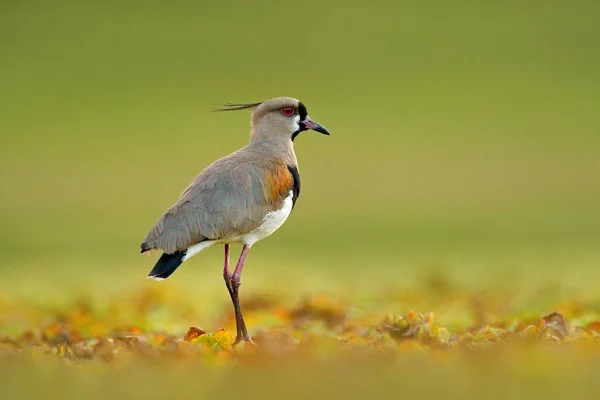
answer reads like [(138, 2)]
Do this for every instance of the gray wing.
[(226, 200)]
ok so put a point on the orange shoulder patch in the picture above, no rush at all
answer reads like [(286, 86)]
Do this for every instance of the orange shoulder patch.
[(278, 182)]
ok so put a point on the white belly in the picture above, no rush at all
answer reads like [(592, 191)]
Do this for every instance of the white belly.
[(271, 222)]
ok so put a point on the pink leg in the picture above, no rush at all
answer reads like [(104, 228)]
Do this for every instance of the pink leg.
[(226, 273), (237, 274), (233, 285)]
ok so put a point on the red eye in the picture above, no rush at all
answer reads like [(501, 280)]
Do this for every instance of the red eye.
[(288, 111)]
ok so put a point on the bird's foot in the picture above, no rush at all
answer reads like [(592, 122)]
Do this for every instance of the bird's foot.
[(243, 337)]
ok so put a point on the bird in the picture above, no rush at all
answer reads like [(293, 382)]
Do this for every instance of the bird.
[(240, 198)]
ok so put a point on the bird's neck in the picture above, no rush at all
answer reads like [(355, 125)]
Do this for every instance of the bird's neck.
[(280, 147)]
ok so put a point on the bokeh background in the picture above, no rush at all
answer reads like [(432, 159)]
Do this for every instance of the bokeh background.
[(465, 140)]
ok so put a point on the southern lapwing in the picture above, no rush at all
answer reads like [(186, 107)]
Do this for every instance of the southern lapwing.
[(241, 198)]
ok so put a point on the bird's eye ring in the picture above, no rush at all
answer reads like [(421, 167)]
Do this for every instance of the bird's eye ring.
[(288, 111)]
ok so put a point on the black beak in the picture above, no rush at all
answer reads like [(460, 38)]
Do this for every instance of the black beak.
[(311, 124)]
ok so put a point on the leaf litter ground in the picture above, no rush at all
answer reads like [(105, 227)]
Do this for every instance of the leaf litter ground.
[(435, 333)]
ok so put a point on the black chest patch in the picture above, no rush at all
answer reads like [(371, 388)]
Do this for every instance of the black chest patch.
[(296, 186)]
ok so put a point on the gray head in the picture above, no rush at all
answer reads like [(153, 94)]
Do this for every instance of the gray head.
[(279, 119)]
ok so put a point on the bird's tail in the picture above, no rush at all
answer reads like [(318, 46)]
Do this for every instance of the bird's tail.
[(166, 265)]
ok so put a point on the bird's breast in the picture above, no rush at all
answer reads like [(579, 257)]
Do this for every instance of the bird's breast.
[(271, 222)]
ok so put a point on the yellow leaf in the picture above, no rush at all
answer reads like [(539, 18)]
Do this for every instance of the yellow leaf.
[(223, 338)]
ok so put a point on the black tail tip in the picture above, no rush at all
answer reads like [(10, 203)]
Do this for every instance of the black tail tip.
[(166, 265)]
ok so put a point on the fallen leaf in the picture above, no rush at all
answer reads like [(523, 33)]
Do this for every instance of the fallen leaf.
[(193, 333), (223, 338)]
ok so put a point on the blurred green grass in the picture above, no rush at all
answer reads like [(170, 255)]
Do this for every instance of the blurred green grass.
[(464, 136)]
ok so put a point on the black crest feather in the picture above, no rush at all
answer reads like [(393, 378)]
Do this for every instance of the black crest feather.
[(236, 107)]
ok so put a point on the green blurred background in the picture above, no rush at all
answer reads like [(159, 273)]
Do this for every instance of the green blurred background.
[(465, 138)]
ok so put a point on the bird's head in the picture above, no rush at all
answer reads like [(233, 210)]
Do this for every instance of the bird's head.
[(281, 118)]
